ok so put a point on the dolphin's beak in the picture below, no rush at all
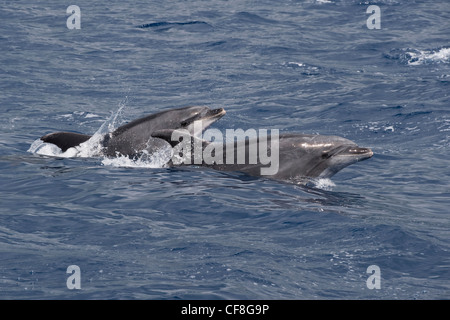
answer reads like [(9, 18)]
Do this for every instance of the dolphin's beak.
[(357, 152), (214, 114), (205, 119), (208, 115)]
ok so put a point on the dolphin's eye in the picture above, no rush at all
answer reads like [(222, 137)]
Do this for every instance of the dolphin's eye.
[(326, 154), (190, 120)]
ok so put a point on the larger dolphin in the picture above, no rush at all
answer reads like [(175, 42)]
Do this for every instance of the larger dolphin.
[(299, 157)]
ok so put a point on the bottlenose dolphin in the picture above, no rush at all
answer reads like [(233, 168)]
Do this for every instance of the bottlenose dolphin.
[(134, 137), (294, 156), (300, 156)]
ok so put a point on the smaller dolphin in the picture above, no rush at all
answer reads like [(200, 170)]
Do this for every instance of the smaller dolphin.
[(134, 137)]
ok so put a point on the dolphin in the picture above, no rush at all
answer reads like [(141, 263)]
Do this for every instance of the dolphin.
[(300, 157), (134, 137)]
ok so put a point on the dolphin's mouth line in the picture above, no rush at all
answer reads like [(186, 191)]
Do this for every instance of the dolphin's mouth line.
[(215, 113), (357, 152), (211, 114)]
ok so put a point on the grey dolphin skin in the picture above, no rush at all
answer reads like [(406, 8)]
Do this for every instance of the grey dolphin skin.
[(307, 156), (300, 156), (134, 137)]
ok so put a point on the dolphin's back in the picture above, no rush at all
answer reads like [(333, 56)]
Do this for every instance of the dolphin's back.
[(136, 135), (131, 137)]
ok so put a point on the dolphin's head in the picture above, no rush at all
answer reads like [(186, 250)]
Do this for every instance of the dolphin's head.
[(136, 135), (341, 156), (318, 156), (197, 119)]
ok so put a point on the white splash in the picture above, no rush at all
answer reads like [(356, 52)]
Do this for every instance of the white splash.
[(155, 160), (419, 57), (296, 64), (319, 183), (89, 149), (93, 148), (45, 149), (324, 184)]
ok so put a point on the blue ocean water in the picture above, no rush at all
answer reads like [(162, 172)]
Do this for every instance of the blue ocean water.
[(191, 233)]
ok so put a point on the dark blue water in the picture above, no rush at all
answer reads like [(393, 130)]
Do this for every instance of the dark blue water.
[(157, 233)]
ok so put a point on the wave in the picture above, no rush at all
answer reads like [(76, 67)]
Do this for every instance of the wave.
[(188, 26), (416, 57), (252, 18), (305, 69), (419, 57)]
